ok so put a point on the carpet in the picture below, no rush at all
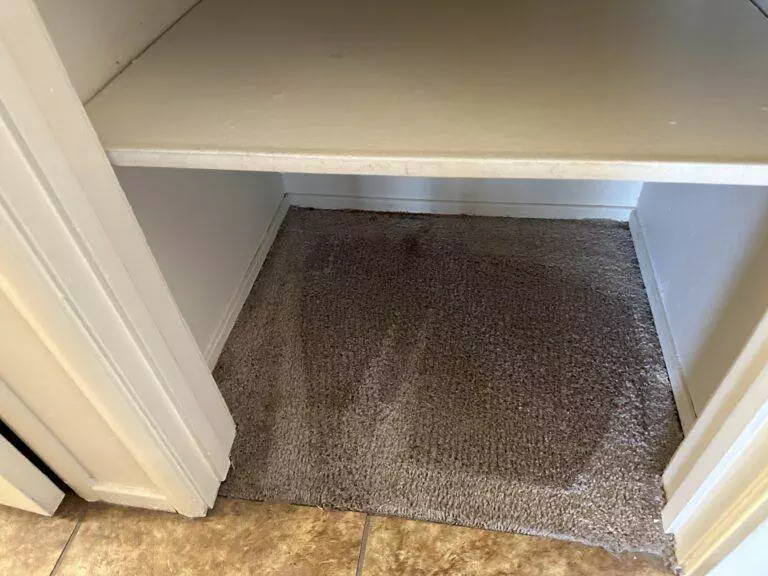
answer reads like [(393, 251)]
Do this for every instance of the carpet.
[(490, 372)]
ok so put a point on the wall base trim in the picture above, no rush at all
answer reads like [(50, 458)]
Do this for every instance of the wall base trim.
[(215, 346), (477, 208), (127, 495), (683, 400)]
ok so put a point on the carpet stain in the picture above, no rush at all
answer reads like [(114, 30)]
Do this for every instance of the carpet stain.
[(489, 372)]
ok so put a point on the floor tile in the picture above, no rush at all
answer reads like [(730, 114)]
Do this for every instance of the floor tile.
[(237, 537), (411, 548), (31, 544)]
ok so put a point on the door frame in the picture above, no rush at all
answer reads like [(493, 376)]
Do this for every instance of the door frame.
[(717, 481), (80, 271)]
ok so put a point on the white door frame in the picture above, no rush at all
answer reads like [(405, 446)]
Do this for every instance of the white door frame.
[(75, 262), (82, 270), (717, 481)]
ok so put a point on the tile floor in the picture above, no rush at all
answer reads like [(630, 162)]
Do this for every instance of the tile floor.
[(241, 537)]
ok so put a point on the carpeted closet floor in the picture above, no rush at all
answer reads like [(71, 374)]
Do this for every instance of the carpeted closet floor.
[(491, 372)]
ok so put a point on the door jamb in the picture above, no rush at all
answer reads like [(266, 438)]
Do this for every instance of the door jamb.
[(74, 220)]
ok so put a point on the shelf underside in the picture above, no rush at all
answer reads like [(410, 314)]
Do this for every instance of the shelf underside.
[(668, 90)]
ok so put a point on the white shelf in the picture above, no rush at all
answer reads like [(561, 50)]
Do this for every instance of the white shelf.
[(667, 90)]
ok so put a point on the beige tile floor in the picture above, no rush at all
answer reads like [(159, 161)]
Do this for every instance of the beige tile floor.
[(241, 537)]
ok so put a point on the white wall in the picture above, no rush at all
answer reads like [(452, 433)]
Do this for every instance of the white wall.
[(708, 248), (204, 229), (521, 198), (98, 38)]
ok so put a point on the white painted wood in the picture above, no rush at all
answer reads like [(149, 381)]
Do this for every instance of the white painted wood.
[(671, 358), (702, 240), (749, 558), (44, 442), (49, 85), (431, 206), (518, 198), (71, 282), (98, 38), (23, 486), (717, 482), (46, 79), (204, 228), (574, 90), (131, 495), (742, 381), (31, 375)]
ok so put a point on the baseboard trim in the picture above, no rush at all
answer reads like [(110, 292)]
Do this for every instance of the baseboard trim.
[(683, 400), (477, 208), (127, 495), (216, 344)]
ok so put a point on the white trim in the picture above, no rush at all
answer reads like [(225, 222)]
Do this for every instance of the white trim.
[(704, 456), (717, 481), (51, 120), (446, 167), (479, 208), (64, 274), (741, 500), (685, 408), (39, 438), (215, 346), (126, 495), (23, 486)]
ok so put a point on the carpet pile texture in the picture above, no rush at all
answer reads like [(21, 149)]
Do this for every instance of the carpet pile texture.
[(490, 372)]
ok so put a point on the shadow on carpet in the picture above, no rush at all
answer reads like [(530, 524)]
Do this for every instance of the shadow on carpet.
[(490, 372)]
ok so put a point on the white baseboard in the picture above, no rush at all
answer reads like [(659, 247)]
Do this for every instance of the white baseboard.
[(683, 401), (127, 495), (477, 208), (216, 344)]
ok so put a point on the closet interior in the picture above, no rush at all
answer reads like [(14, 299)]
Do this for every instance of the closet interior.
[(464, 262)]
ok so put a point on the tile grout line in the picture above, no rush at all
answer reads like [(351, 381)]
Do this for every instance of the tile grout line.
[(60, 559), (363, 542)]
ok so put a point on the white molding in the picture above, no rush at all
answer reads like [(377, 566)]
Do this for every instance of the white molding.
[(46, 445), (23, 486), (78, 291), (717, 483), (126, 495), (478, 208), (703, 457), (683, 400), (215, 346), (447, 167), (731, 509)]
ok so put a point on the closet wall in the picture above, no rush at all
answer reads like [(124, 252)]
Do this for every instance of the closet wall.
[(709, 248), (96, 39), (204, 228), (209, 232)]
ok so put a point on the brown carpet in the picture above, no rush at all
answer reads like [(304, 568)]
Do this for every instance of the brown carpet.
[(491, 372)]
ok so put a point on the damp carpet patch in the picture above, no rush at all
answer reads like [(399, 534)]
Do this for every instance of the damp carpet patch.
[(489, 372)]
